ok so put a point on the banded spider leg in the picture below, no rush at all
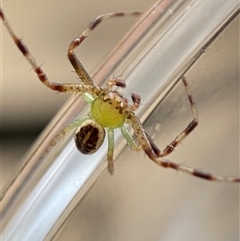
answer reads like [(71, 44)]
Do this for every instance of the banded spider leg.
[(154, 153)]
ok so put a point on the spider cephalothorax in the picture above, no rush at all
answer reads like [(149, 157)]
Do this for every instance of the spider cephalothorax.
[(110, 110)]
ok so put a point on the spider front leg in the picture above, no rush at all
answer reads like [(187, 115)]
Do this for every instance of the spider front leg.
[(37, 69), (77, 65), (80, 70)]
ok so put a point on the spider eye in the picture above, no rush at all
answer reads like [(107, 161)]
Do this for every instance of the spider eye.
[(89, 137)]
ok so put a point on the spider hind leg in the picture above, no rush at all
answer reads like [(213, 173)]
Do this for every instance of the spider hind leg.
[(154, 153)]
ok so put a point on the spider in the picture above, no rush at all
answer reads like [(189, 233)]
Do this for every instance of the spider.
[(111, 110)]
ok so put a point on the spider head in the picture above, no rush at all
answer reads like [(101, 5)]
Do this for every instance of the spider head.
[(109, 111)]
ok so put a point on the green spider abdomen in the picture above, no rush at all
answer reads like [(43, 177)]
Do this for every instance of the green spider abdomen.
[(107, 113)]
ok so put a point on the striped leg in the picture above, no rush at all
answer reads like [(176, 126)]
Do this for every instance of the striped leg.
[(194, 172), (152, 152), (23, 48), (73, 88), (82, 73), (77, 65), (191, 126)]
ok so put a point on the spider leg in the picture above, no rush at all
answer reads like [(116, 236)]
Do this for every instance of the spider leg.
[(191, 126), (77, 65), (67, 129), (110, 150), (152, 151), (194, 172), (142, 137), (26, 53), (136, 98), (38, 70), (130, 140)]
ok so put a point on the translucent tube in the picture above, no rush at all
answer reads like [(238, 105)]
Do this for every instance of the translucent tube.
[(151, 58)]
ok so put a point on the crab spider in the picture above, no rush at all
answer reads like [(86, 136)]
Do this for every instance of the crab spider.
[(110, 110)]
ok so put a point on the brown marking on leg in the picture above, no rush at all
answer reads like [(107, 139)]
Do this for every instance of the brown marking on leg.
[(153, 145), (2, 15), (143, 138), (194, 172), (21, 46), (26, 53), (95, 22), (191, 126), (77, 65)]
